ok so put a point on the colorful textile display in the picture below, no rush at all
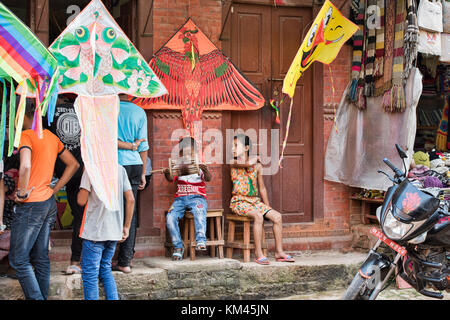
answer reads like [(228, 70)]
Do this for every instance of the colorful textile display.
[(384, 83), (98, 62), (357, 16), (371, 39), (199, 77), (328, 33), (442, 133), (411, 37), (379, 55), (26, 60), (394, 99)]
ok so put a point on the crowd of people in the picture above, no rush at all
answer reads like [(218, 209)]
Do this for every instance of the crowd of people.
[(28, 207)]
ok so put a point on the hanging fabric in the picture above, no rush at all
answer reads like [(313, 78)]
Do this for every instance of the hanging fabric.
[(394, 99), (369, 88), (411, 37), (357, 10), (384, 83), (379, 54)]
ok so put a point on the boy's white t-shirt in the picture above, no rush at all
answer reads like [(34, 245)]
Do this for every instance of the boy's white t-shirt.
[(99, 223)]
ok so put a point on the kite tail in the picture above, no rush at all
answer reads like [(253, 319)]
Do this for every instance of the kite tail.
[(12, 116), (3, 119)]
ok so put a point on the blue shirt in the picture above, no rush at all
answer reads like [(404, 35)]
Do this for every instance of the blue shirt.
[(132, 127)]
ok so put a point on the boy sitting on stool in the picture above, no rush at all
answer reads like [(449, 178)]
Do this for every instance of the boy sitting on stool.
[(191, 196)]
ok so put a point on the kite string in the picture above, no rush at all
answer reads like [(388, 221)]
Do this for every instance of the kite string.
[(288, 126)]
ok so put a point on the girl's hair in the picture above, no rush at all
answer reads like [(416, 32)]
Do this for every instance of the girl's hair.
[(245, 140)]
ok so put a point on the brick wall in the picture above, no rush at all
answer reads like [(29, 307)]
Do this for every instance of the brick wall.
[(168, 16)]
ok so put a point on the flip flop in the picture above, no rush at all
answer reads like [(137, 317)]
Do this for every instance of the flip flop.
[(286, 258), (116, 268), (73, 269), (263, 261)]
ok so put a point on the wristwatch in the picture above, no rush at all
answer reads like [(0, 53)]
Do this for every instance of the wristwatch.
[(21, 197), (134, 146), (2, 227)]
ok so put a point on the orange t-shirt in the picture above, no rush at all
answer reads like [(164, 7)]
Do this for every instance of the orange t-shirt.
[(43, 157)]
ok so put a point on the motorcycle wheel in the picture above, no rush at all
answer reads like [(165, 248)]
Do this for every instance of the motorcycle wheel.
[(357, 289)]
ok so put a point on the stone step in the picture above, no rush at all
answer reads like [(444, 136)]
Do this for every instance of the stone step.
[(212, 278)]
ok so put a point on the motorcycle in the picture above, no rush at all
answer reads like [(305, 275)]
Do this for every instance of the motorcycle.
[(415, 226)]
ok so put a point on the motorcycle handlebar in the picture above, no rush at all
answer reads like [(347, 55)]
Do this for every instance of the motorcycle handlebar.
[(394, 168)]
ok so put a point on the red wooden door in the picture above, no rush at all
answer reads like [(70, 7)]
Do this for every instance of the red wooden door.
[(264, 41)]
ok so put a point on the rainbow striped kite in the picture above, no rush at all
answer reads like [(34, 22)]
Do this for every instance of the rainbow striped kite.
[(24, 58)]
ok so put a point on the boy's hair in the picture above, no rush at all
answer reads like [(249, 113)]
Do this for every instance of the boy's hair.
[(187, 142), (245, 140), (30, 109)]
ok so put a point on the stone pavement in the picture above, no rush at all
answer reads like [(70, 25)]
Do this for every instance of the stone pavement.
[(212, 278), (314, 276), (391, 293)]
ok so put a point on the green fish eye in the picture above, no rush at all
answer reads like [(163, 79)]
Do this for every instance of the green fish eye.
[(109, 35), (82, 34)]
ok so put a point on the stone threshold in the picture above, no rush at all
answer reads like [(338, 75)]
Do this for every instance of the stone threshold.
[(212, 278)]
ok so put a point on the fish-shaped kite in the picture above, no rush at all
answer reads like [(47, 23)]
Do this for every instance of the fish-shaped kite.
[(98, 62)]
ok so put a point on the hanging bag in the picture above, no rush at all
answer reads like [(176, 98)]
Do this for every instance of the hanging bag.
[(430, 42), (446, 16), (429, 15)]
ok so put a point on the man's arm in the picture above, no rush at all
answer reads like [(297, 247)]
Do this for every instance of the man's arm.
[(24, 174), (143, 155), (82, 197), (72, 166), (129, 208), (129, 145)]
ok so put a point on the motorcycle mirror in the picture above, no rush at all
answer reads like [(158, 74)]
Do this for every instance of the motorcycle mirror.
[(401, 152)]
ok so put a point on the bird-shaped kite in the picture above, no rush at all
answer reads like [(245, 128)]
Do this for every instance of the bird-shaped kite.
[(98, 62), (199, 77)]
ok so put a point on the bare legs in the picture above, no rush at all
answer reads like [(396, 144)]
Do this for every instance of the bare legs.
[(258, 225)]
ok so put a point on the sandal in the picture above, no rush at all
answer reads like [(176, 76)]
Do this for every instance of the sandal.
[(286, 258), (178, 254), (73, 269), (201, 246), (263, 261)]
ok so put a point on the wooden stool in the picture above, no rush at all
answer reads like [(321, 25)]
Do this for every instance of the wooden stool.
[(245, 244), (215, 219)]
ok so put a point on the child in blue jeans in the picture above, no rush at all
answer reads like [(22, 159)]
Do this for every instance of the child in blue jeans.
[(191, 196), (101, 230)]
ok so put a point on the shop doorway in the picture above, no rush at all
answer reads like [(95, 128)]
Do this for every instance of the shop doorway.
[(263, 42)]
